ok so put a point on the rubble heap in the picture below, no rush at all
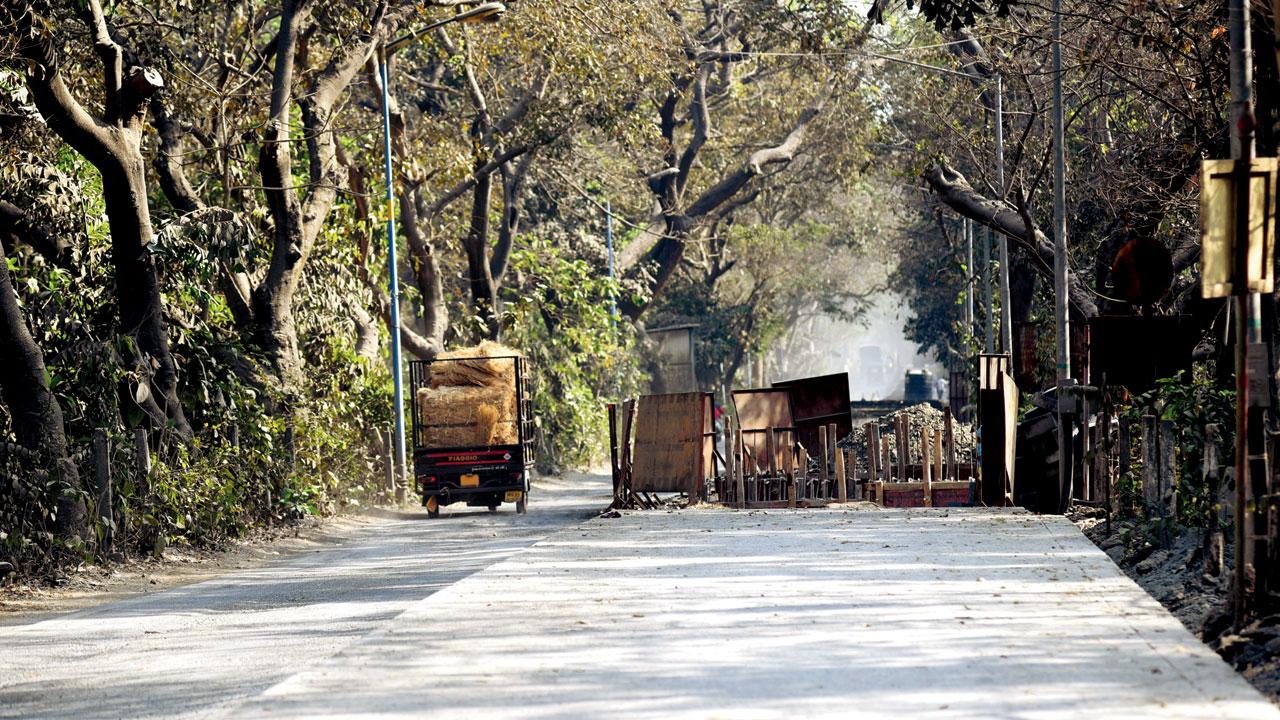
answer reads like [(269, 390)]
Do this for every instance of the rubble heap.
[(920, 416)]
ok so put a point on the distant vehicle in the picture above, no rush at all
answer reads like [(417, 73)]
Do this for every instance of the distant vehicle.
[(918, 387), (872, 363), (464, 460)]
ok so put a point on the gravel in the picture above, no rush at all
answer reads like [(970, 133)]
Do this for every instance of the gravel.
[(919, 416)]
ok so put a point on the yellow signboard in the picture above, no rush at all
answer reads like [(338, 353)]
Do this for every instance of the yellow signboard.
[(1218, 226)]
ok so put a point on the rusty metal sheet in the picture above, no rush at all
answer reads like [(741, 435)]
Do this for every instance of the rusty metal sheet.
[(758, 410), (669, 443), (819, 401)]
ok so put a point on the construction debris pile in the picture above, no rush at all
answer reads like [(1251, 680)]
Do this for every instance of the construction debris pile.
[(919, 416), (471, 398)]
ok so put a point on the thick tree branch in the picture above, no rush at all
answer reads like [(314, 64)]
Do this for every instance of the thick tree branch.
[(955, 191)]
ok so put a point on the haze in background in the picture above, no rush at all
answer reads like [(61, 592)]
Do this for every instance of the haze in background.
[(873, 350)]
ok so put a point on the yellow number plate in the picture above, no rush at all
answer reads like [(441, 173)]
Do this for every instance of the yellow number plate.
[(470, 481), (512, 496)]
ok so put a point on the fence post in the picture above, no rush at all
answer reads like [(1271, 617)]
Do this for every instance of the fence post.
[(842, 482), (823, 475), (739, 464), (1168, 479), (885, 467), (949, 440), (1213, 545), (926, 465), (1150, 465), (1126, 456), (102, 488)]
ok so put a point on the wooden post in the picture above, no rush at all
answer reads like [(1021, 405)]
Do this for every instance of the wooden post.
[(770, 448), (731, 462), (885, 465), (1150, 465), (1125, 455), (842, 481), (1108, 484), (937, 458), (1213, 545), (823, 450), (949, 440), (1098, 466), (102, 487), (872, 435), (926, 465), (615, 474), (1168, 498), (1086, 480), (740, 469), (627, 430)]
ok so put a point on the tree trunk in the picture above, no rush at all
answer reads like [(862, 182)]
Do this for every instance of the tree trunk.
[(37, 417), (113, 144), (479, 273)]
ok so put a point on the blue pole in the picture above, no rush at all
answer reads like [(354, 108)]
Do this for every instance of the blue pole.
[(397, 372), (608, 210)]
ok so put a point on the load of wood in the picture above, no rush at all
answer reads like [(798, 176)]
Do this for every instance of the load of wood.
[(471, 398)]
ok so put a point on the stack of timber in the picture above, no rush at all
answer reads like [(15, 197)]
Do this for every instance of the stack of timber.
[(470, 399)]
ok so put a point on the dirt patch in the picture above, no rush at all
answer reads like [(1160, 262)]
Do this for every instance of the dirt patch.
[(89, 585), (1174, 574)]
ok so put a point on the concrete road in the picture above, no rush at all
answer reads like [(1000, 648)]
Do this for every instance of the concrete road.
[(203, 648), (831, 614)]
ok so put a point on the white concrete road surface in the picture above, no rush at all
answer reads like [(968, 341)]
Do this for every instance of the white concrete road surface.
[(196, 650), (836, 613)]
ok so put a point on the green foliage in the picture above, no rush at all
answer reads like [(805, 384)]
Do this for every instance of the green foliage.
[(1191, 406), (581, 356)]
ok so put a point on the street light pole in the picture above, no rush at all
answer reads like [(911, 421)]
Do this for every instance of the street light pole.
[(1248, 316), (608, 211), (485, 12), (397, 370), (1006, 304), (1060, 268)]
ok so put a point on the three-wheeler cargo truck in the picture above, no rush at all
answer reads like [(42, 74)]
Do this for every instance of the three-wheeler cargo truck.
[(485, 462)]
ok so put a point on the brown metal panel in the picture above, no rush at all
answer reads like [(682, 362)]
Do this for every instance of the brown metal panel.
[(668, 444), (817, 402), (759, 410)]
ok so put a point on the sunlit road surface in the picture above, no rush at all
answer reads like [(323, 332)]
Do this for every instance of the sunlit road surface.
[(837, 614), (202, 649)]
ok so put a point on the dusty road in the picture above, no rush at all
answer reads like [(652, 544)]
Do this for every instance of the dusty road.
[(702, 613), (199, 650)]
